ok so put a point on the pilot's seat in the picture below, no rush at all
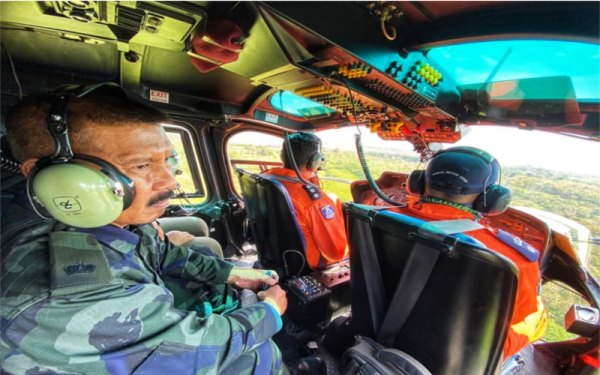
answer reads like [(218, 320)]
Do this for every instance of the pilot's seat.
[(273, 224), (443, 299), (392, 184)]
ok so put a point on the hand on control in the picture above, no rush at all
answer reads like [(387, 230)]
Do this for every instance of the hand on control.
[(179, 238), (275, 297), (249, 278)]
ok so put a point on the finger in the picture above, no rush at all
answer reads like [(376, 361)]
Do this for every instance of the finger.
[(270, 273), (267, 278), (275, 276)]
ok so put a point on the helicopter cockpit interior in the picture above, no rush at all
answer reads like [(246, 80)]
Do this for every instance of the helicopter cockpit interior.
[(419, 72)]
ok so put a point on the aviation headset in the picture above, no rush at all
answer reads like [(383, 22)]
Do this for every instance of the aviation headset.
[(493, 198), (85, 195), (317, 160)]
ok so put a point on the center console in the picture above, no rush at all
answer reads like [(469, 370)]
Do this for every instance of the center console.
[(314, 297)]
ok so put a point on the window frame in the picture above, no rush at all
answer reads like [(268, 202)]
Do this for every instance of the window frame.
[(192, 157)]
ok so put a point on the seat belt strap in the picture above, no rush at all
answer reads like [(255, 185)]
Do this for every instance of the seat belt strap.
[(258, 219), (418, 268), (372, 273)]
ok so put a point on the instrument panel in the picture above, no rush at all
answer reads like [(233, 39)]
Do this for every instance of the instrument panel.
[(524, 226)]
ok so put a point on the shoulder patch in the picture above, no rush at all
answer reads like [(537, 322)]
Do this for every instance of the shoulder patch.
[(328, 212), (313, 192), (521, 246)]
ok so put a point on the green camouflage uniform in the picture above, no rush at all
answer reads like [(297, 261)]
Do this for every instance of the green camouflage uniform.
[(101, 301)]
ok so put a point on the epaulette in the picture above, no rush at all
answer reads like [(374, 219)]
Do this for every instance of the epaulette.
[(78, 263), (313, 192)]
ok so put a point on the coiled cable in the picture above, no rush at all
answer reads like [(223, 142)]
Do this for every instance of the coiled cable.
[(367, 172), (9, 165)]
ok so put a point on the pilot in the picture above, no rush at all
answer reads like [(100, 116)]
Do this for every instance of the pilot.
[(94, 299), (319, 214), (461, 183)]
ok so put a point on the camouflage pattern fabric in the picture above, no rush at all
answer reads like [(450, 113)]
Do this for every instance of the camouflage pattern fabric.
[(104, 301)]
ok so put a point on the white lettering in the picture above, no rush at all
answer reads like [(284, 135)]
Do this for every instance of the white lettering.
[(159, 96)]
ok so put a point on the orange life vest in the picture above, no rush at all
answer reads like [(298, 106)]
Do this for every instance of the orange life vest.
[(321, 220)]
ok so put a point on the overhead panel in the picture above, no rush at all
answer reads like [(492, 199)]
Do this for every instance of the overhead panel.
[(397, 95)]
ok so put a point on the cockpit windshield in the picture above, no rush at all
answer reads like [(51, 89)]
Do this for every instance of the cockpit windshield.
[(298, 106), (518, 59), (545, 69)]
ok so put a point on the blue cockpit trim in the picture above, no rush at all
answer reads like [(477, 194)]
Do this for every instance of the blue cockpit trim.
[(418, 222)]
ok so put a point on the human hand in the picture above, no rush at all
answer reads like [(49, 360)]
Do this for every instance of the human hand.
[(249, 278), (179, 238), (275, 297)]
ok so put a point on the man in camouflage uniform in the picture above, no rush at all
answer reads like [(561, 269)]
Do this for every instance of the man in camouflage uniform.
[(119, 299)]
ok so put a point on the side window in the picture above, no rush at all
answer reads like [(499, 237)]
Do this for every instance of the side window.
[(254, 152), (191, 179), (558, 298)]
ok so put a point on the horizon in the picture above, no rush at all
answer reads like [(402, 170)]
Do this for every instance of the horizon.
[(511, 146)]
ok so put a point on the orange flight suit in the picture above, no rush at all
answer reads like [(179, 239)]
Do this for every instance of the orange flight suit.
[(321, 221), (529, 317)]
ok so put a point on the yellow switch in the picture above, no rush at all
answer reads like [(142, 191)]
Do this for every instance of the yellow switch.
[(395, 127), (375, 126)]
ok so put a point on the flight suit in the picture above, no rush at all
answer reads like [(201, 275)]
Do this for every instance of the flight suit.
[(529, 317), (99, 301), (321, 220)]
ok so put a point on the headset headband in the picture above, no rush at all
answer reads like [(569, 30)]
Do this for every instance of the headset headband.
[(57, 118), (466, 181), (468, 150)]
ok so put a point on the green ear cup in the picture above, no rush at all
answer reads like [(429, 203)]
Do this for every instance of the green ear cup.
[(316, 162), (78, 195)]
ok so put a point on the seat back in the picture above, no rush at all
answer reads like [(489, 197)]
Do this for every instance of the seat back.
[(390, 183), (273, 223), (460, 320)]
